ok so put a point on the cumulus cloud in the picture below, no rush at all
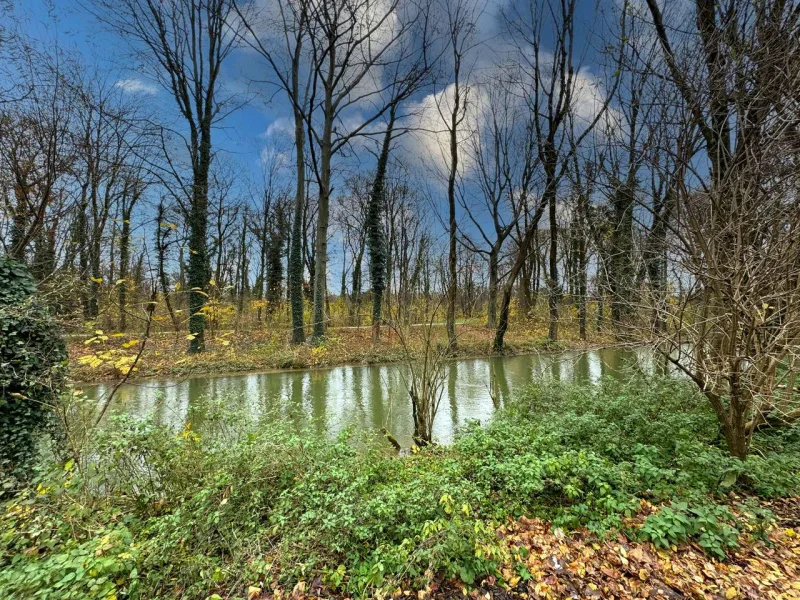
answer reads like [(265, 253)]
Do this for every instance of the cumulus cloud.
[(280, 127), (431, 138), (137, 86)]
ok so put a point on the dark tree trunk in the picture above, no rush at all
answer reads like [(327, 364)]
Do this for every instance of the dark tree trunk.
[(621, 263), (128, 204), (198, 269), (508, 289), (582, 287), (296, 248), (274, 271), (355, 297), (243, 269), (124, 261), (452, 286), (491, 310), (376, 236), (161, 247), (320, 290), (552, 280)]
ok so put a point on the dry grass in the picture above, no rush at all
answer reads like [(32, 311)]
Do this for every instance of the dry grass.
[(258, 348)]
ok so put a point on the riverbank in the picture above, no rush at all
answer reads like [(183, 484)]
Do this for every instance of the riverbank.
[(619, 489), (97, 357)]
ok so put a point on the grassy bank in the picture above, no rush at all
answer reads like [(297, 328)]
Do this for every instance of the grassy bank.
[(105, 356), (617, 484)]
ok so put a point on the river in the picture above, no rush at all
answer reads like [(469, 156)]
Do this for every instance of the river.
[(366, 397)]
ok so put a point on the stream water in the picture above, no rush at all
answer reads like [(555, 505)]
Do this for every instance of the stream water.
[(367, 397)]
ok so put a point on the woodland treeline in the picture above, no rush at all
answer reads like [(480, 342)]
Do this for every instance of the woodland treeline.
[(641, 172)]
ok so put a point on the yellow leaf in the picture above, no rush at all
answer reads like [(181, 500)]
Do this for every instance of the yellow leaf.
[(120, 281), (97, 280), (191, 336), (226, 342), (177, 286), (731, 593), (253, 592), (130, 344)]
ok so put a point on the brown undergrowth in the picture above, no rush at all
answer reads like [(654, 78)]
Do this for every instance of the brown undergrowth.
[(551, 564), (102, 356)]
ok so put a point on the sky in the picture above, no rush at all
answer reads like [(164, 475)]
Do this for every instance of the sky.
[(246, 132), (264, 119)]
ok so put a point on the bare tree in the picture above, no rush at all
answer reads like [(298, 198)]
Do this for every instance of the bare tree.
[(735, 331), (426, 363), (554, 88), (36, 133), (184, 43), (409, 72), (460, 18), (271, 230), (500, 155), (282, 42), (352, 220)]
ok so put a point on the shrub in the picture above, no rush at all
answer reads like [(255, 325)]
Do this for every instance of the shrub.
[(32, 366), (191, 515), (710, 525)]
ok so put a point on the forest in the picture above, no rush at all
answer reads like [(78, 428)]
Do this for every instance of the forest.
[(399, 298)]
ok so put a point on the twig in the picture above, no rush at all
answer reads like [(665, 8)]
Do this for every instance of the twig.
[(151, 307)]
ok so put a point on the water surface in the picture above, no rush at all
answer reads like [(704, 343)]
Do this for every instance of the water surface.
[(366, 397)]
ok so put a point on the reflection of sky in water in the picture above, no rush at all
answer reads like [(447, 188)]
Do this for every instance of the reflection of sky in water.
[(368, 397)]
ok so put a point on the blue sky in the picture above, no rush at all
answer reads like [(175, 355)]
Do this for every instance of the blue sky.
[(244, 133), (258, 124)]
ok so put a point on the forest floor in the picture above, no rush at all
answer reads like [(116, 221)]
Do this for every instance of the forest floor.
[(579, 564), (618, 489), (103, 356)]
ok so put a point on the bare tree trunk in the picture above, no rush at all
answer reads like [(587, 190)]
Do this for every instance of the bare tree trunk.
[(296, 248), (452, 284), (552, 281), (161, 248), (376, 236), (124, 262), (491, 310), (243, 268), (198, 270)]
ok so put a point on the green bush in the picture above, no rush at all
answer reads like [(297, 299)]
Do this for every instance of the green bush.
[(711, 525), (191, 515), (32, 366)]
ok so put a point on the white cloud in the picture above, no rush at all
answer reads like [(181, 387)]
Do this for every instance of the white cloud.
[(137, 86), (431, 138), (280, 127)]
